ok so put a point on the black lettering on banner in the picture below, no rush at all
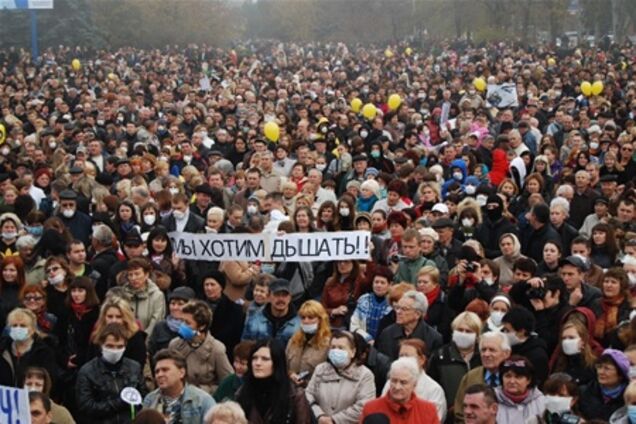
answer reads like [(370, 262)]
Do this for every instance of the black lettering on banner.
[(228, 246), (258, 251), (185, 248), (339, 241), (290, 249), (349, 249), (278, 249), (242, 247), (323, 249), (205, 245), (218, 249)]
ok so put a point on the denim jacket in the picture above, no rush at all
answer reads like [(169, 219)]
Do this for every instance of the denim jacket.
[(194, 405), (258, 326)]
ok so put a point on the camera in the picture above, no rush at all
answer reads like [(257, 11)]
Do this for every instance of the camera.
[(471, 267), (395, 259), (536, 292), (565, 418)]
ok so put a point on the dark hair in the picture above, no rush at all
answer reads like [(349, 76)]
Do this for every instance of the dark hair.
[(142, 263), (159, 232), (487, 391), (39, 372), (525, 265), (519, 365), (243, 349), (72, 243), (118, 331), (557, 381), (582, 240), (492, 265), (83, 283), (174, 356), (200, 311), (278, 390), (46, 402), (552, 283), (520, 319), (149, 416)]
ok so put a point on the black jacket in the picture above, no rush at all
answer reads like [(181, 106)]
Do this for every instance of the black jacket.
[(567, 233), (195, 224), (103, 262), (532, 241), (160, 338), (227, 324), (98, 388), (459, 297), (80, 225), (440, 316), (447, 367), (593, 406), (388, 342), (535, 350), (41, 354), (74, 335), (488, 234)]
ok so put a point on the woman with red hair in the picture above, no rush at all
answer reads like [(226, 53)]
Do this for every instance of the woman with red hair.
[(34, 298), (12, 281)]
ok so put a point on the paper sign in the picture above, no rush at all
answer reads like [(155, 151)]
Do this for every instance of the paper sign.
[(502, 95), (14, 406), (268, 247), (131, 396)]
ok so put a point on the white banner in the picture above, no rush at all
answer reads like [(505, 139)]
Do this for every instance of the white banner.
[(26, 4), (502, 95), (14, 406), (268, 247)]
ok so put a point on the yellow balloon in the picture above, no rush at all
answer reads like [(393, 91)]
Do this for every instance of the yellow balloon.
[(597, 88), (586, 88), (76, 65), (3, 133), (272, 131), (394, 101), (369, 111), (480, 84), (388, 53), (112, 76), (356, 104), (408, 51), (551, 61)]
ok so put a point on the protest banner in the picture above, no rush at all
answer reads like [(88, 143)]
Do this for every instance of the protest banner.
[(269, 247), (502, 95), (14, 406)]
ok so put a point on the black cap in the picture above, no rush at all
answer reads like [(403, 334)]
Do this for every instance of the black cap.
[(443, 223), (75, 170), (602, 199), (4, 177), (608, 178), (575, 261), (279, 285), (123, 161), (132, 238), (68, 195), (183, 293), (401, 160), (360, 158), (203, 188), (105, 179), (215, 153)]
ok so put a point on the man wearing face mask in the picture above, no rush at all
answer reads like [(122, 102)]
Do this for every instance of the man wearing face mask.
[(518, 326), (181, 219), (78, 223), (493, 226), (100, 381)]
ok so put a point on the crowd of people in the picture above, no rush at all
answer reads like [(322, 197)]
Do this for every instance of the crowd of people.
[(501, 285)]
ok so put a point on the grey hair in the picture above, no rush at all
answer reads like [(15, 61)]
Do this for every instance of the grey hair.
[(25, 241), (563, 189), (104, 235), (561, 202), (408, 364), (229, 410), (498, 336), (420, 303)]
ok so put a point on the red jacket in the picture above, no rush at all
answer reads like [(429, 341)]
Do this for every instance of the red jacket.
[(415, 411), (500, 167)]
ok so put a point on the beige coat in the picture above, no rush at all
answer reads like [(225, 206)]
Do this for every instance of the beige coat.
[(340, 395), (305, 358), (207, 364), (474, 376)]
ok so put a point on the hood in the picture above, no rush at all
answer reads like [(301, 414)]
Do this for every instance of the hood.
[(534, 396), (590, 319), (473, 181), (459, 163), (534, 342), (519, 165)]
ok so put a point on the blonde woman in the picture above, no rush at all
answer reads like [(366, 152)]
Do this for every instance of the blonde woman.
[(228, 412), (117, 310), (309, 345)]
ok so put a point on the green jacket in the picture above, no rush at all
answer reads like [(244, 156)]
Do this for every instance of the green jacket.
[(408, 269)]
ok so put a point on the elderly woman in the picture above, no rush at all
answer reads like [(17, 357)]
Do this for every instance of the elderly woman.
[(426, 388), (309, 345), (430, 250), (401, 404), (10, 228), (147, 301), (24, 348), (518, 397), (510, 251), (340, 387), (451, 362), (207, 362), (559, 213), (625, 415), (604, 395), (215, 220)]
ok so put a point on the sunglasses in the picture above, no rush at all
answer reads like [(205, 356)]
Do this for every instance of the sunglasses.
[(517, 364)]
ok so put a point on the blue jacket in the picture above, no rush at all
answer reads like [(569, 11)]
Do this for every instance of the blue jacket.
[(457, 163), (258, 325), (194, 405)]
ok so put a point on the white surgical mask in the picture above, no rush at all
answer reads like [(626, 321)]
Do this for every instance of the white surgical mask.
[(593, 145), (632, 279), (309, 328), (321, 166), (571, 346), (210, 230), (496, 317), (252, 210), (632, 372), (482, 200), (513, 339), (112, 356), (52, 145), (150, 219), (173, 190), (344, 211), (364, 133), (458, 176), (557, 404), (464, 340), (187, 158), (178, 215), (9, 235), (470, 189), (57, 279), (468, 222), (489, 281), (5, 151), (68, 213)]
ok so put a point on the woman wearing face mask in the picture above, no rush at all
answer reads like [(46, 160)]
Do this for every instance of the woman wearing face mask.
[(116, 310), (616, 303), (499, 306), (469, 217), (518, 397), (162, 256), (58, 278), (573, 355), (451, 362), (267, 395), (37, 379), (340, 386), (206, 357), (10, 228), (149, 217), (308, 346), (561, 400), (24, 348), (347, 213)]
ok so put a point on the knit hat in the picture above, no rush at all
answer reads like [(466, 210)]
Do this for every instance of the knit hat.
[(430, 233), (371, 185), (619, 359), (216, 275)]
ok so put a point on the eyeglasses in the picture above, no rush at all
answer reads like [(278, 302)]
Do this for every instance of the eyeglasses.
[(33, 298), (53, 269), (627, 148), (403, 308)]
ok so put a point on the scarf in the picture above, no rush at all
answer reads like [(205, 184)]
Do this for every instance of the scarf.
[(433, 295), (609, 318), (379, 308), (517, 398), (365, 205), (80, 309), (44, 323), (613, 393)]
